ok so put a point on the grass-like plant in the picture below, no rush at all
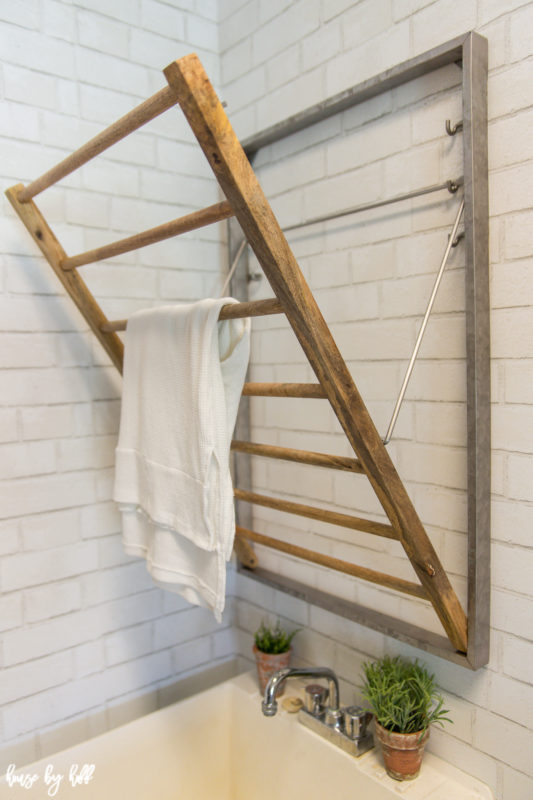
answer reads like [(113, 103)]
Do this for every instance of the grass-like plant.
[(403, 695), (273, 639)]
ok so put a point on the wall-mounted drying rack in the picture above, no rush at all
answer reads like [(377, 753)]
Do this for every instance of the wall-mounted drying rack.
[(189, 86)]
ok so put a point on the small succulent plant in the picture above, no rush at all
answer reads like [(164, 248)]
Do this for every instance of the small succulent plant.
[(273, 639)]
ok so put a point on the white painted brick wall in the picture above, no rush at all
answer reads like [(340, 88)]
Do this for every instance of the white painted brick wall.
[(81, 622), (371, 277)]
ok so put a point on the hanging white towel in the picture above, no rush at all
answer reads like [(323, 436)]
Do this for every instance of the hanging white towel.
[(183, 377)]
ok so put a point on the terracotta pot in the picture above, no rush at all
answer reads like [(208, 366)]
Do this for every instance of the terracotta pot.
[(402, 752), (268, 664)]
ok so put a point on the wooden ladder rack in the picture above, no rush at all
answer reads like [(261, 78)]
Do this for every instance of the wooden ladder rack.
[(189, 86)]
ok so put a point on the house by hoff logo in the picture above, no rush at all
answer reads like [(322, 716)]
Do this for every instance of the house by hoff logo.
[(26, 780)]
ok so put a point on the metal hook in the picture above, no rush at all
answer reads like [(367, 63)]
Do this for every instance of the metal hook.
[(452, 131), (458, 238)]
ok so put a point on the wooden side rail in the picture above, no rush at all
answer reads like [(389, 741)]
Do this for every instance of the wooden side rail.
[(284, 390), (299, 456), (252, 308), (190, 222), (381, 578), (237, 179), (321, 514), (143, 113)]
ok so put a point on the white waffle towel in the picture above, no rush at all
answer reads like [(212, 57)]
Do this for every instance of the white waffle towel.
[(183, 377)]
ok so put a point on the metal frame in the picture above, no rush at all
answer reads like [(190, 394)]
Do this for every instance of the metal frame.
[(469, 52)]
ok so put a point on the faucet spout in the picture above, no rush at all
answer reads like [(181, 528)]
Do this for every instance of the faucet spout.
[(269, 705)]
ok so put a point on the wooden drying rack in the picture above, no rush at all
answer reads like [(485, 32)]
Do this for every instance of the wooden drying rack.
[(189, 86)]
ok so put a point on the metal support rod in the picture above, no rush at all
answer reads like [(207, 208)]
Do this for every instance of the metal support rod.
[(421, 332), (451, 186)]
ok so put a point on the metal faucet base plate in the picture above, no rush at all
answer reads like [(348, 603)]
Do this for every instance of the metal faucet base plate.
[(354, 747)]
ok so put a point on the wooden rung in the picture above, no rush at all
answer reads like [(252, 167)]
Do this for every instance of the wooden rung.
[(284, 390), (333, 517), (143, 113), (206, 216), (254, 308), (299, 456), (381, 578), (245, 552)]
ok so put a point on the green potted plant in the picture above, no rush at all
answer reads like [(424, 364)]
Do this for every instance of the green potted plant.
[(272, 650), (405, 702)]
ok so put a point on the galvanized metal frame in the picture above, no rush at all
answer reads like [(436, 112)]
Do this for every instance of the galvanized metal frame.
[(469, 52)]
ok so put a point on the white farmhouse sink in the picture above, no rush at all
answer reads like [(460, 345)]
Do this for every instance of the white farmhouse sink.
[(218, 745)]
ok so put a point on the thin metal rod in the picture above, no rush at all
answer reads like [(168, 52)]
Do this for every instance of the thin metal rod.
[(233, 267), (451, 186), (251, 308), (151, 108), (421, 332)]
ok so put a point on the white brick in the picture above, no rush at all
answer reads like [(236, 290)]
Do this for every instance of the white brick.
[(51, 705), (521, 36), (20, 460), (511, 568), (511, 699), (280, 32), (123, 10), (19, 122), (519, 381), (511, 284), (103, 34), (9, 538), (86, 453), (365, 21), (507, 329), (50, 601), (191, 654), (8, 425), (51, 636), (519, 477), (29, 569), (516, 785), (31, 50), (122, 678), (152, 50), (441, 22), (46, 493), (128, 644), (100, 520), (47, 422), (504, 740), (59, 20), (109, 584), (202, 33), (511, 613), (509, 142), (127, 611), (183, 626), (89, 658), (162, 18), (43, 531), (21, 13), (10, 611), (512, 428), (517, 659), (111, 73), (27, 679)]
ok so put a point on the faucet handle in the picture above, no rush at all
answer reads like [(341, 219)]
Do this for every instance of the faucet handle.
[(315, 699), (355, 721)]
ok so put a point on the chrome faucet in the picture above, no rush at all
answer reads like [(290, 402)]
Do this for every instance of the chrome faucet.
[(345, 727), (269, 705)]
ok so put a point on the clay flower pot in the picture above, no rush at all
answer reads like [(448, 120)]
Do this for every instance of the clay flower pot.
[(268, 664), (402, 752)]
